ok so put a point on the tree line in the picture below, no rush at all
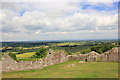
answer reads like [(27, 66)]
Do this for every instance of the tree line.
[(98, 48)]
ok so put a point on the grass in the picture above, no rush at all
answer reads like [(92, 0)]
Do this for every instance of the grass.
[(25, 54), (65, 70), (73, 50)]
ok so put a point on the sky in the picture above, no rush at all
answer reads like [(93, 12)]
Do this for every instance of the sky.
[(67, 20)]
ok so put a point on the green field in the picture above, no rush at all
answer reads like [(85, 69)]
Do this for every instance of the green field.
[(70, 69), (73, 50)]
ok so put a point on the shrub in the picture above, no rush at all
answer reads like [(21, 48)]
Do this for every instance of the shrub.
[(13, 55), (86, 51), (40, 53), (69, 53)]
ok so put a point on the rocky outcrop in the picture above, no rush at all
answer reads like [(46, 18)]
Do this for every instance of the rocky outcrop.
[(8, 64)]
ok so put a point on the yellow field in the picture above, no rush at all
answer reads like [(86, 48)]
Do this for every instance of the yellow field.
[(70, 43), (25, 54)]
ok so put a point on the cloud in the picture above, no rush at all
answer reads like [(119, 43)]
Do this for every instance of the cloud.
[(55, 19), (78, 21)]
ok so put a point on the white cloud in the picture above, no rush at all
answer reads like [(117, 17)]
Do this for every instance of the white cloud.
[(38, 32), (58, 19)]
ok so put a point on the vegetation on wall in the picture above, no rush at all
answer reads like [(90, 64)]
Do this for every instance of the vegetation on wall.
[(13, 55)]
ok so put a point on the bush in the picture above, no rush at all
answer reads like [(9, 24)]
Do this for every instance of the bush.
[(13, 55), (69, 53), (40, 53)]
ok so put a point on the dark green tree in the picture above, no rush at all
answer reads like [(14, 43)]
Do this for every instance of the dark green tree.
[(102, 48), (40, 53)]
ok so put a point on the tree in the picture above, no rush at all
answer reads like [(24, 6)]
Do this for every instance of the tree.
[(102, 48), (40, 53)]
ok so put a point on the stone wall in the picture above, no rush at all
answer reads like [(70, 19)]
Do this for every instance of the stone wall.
[(8, 64), (110, 55)]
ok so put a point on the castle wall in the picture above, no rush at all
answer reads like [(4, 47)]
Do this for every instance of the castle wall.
[(8, 64), (110, 55)]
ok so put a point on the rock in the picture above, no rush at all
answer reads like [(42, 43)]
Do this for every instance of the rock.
[(81, 61)]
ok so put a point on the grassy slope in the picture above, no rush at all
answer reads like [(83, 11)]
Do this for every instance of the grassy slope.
[(63, 70)]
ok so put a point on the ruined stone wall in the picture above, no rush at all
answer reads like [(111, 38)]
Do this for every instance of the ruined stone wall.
[(110, 55), (8, 64)]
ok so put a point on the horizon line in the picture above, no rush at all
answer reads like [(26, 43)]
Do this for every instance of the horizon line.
[(55, 40)]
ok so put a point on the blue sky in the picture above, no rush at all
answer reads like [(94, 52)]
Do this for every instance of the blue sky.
[(21, 12), (101, 7), (86, 6), (59, 20)]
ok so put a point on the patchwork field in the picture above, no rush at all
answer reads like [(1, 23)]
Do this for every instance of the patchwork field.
[(25, 54), (70, 69)]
